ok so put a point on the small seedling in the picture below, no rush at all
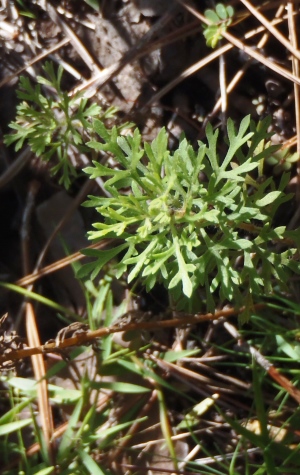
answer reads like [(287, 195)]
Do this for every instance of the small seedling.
[(219, 19), (53, 123)]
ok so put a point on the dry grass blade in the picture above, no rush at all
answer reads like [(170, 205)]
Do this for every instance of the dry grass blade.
[(238, 76), (205, 61), (242, 47), (265, 364), (38, 363), (18, 164), (77, 44), (209, 384), (33, 61), (263, 20), (42, 386), (223, 88), (67, 215), (66, 261), (132, 54), (296, 70)]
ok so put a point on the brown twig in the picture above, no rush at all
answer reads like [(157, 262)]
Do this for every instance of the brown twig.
[(243, 47), (60, 264), (296, 71), (44, 54), (202, 63), (265, 364), (88, 336)]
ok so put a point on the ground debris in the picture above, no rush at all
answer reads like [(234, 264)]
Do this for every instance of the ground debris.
[(9, 341)]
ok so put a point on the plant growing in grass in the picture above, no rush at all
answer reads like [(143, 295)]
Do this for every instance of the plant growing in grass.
[(190, 219)]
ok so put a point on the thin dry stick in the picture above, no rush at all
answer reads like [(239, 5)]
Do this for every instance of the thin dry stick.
[(17, 165), (37, 58), (66, 261), (293, 222), (134, 53), (296, 70), (89, 336), (25, 233), (265, 364), (290, 142), (268, 25), (39, 370), (238, 76), (76, 42), (247, 49), (223, 88), (32, 331), (138, 51), (201, 64), (69, 212), (188, 72), (210, 383)]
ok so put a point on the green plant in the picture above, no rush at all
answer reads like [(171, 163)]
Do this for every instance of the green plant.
[(190, 219), (282, 160), (94, 4), (219, 19), (53, 123), (85, 435)]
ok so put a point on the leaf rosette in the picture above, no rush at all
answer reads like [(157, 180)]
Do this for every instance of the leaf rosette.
[(189, 219)]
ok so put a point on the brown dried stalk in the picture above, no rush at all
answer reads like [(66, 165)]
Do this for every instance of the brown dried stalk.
[(87, 337)]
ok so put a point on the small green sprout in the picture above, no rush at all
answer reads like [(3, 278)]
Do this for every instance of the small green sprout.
[(220, 19), (52, 122)]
